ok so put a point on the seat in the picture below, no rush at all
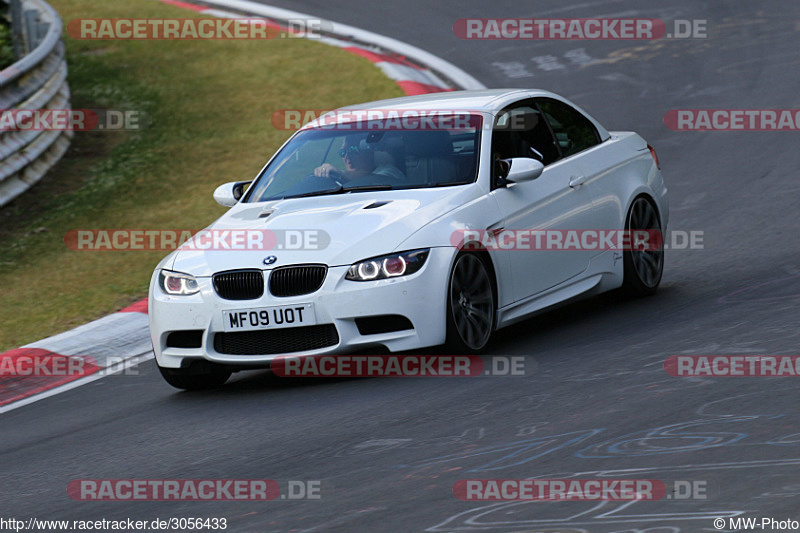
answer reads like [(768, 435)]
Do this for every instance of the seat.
[(429, 158), (522, 132), (540, 139)]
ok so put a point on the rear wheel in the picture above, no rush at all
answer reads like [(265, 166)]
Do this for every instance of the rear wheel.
[(643, 266), (200, 375), (471, 305)]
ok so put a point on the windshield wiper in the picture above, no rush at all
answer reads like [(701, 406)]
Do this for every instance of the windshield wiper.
[(323, 192), (341, 190), (449, 183), (359, 188)]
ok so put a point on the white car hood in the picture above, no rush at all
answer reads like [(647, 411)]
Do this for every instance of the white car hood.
[(346, 231)]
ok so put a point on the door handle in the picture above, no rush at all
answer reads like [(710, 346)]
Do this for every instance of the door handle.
[(577, 181)]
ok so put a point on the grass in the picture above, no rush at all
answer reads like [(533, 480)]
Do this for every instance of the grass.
[(6, 44), (209, 103)]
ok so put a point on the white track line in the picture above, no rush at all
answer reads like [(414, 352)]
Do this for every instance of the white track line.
[(113, 369)]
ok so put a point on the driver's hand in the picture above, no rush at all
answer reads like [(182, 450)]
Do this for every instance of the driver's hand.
[(502, 167), (327, 171)]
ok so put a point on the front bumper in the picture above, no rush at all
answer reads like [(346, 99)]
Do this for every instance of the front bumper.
[(420, 297)]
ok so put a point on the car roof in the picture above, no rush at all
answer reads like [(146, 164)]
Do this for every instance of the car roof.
[(490, 101), (486, 101)]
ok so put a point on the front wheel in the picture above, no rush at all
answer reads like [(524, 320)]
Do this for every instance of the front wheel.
[(201, 375), (471, 305), (643, 266)]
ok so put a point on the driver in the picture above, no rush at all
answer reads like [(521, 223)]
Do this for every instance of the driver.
[(359, 160)]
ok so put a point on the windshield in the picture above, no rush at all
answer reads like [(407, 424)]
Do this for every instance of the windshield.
[(325, 161)]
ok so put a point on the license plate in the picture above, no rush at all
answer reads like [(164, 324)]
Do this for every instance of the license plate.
[(280, 316)]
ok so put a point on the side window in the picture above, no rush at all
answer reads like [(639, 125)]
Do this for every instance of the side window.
[(521, 131), (572, 130)]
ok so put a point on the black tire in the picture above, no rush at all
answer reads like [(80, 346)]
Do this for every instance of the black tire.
[(642, 268), (200, 375), (471, 305)]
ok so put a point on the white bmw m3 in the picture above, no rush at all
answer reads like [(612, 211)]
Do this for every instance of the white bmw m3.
[(410, 223)]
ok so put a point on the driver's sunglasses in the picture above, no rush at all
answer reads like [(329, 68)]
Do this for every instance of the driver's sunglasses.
[(350, 150)]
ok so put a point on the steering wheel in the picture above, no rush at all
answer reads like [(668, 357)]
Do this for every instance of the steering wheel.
[(330, 177)]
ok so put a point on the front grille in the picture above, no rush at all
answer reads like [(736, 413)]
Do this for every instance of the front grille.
[(296, 280), (276, 341), (239, 284)]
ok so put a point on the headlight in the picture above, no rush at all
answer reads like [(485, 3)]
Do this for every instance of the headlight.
[(176, 283), (388, 266)]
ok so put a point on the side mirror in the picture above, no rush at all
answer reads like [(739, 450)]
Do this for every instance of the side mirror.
[(228, 195), (524, 169)]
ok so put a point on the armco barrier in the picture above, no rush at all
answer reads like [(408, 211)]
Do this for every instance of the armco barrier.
[(37, 81)]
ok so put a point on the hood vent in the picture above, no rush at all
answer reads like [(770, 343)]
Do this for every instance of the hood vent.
[(375, 205)]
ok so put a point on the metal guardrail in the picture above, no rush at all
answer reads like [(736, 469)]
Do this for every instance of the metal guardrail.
[(38, 80)]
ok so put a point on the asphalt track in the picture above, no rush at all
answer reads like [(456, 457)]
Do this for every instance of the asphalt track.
[(388, 451)]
